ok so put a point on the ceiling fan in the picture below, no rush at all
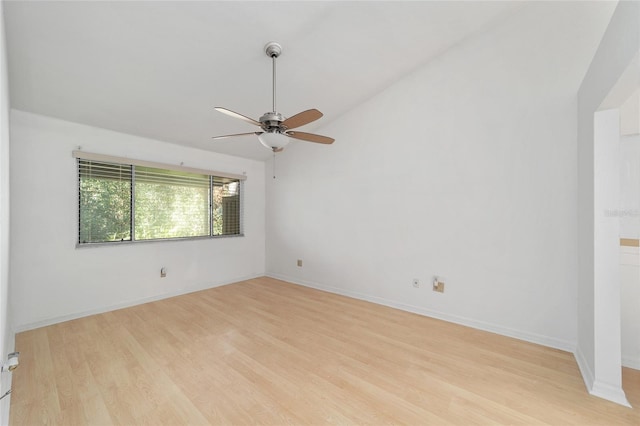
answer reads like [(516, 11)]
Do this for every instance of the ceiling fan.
[(276, 128)]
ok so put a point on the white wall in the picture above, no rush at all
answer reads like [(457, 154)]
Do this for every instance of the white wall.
[(630, 256), (630, 301), (630, 115), (465, 169), (52, 280), (629, 212), (6, 329), (617, 50), (606, 241)]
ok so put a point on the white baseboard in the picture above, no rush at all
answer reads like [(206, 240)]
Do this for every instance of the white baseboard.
[(631, 362), (62, 318), (469, 322), (610, 393), (585, 370)]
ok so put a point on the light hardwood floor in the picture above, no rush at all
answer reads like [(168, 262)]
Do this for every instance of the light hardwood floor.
[(268, 352)]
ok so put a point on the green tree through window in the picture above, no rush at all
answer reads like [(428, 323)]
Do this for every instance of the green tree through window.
[(105, 202), (164, 204), (170, 204)]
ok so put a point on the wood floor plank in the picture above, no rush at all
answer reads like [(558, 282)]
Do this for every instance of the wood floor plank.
[(264, 351)]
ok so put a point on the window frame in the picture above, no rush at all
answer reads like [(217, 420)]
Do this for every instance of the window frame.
[(132, 163)]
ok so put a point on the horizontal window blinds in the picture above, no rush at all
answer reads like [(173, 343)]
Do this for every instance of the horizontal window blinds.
[(100, 170), (170, 204), (124, 202), (105, 202), (226, 206), (134, 162), (170, 177)]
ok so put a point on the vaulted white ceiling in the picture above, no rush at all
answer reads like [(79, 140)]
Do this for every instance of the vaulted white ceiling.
[(156, 69)]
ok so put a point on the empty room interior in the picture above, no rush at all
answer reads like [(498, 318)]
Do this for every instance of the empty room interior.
[(238, 212)]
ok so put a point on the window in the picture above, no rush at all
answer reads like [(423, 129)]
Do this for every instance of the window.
[(105, 202), (226, 206), (131, 202), (170, 204)]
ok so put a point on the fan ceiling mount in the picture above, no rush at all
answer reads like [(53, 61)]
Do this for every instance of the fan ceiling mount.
[(276, 128)]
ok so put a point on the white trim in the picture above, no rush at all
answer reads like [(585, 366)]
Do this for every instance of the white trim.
[(585, 370), (610, 393), (564, 345), (7, 379), (58, 319), (123, 160), (598, 388)]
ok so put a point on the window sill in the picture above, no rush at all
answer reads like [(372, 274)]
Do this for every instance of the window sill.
[(158, 240)]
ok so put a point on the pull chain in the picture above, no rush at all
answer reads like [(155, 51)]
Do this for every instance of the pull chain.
[(274, 164)]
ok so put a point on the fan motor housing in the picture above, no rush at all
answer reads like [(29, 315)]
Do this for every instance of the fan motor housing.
[(272, 121)]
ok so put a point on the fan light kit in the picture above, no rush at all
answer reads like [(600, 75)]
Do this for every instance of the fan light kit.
[(276, 128)]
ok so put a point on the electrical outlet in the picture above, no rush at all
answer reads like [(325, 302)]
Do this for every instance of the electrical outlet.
[(416, 283), (300, 262), (11, 363), (438, 284), (163, 272)]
